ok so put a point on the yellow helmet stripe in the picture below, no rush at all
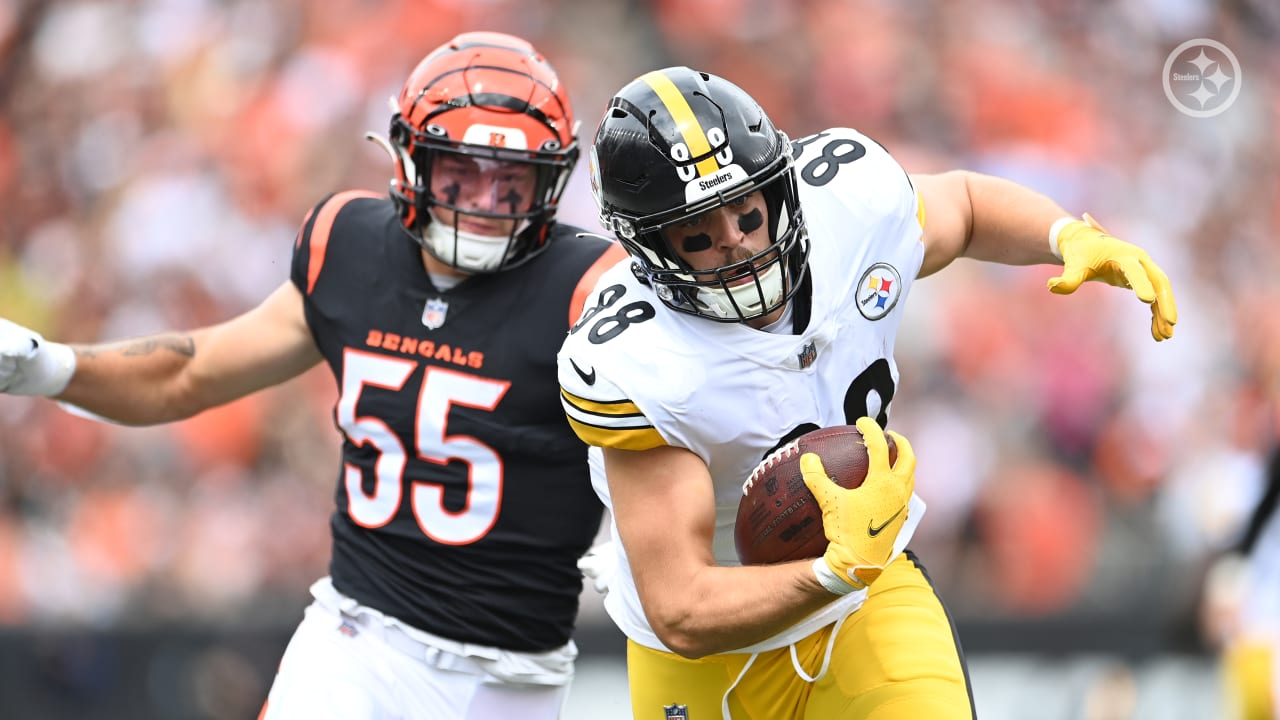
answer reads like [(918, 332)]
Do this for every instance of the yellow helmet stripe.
[(690, 128)]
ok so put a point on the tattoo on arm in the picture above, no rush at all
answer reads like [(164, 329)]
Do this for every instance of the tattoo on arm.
[(179, 344)]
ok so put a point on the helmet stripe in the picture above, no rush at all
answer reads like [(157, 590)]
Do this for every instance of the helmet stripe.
[(694, 136), (489, 100)]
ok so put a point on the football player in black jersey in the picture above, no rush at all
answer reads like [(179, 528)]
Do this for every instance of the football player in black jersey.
[(463, 498)]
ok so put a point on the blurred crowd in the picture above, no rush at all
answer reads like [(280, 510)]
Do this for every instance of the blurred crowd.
[(157, 156)]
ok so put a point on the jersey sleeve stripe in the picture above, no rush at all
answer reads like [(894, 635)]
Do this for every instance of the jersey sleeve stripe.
[(324, 225), (920, 209), (631, 439), (302, 229), (608, 408), (613, 422), (608, 259)]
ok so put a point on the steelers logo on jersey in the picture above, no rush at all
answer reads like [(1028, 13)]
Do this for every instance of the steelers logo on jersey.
[(879, 290)]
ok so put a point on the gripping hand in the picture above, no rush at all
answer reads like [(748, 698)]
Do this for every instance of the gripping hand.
[(1091, 253), (861, 524), (31, 365)]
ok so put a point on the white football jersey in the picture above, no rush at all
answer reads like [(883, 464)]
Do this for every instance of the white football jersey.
[(637, 375)]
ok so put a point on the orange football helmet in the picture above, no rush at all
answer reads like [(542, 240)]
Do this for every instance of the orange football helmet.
[(484, 105)]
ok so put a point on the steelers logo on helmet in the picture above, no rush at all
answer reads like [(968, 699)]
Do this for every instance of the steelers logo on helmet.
[(483, 141), (676, 144)]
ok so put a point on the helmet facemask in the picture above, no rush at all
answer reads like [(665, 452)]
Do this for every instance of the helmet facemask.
[(515, 189), (741, 291)]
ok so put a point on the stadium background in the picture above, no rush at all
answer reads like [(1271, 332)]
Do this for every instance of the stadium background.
[(156, 157)]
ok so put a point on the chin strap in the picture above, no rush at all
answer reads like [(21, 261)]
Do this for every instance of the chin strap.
[(719, 303), (468, 251)]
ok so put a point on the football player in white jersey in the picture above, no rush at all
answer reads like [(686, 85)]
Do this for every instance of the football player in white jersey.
[(767, 282)]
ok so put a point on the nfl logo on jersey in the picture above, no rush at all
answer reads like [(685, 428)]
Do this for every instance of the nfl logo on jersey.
[(807, 355), (677, 712), (433, 314)]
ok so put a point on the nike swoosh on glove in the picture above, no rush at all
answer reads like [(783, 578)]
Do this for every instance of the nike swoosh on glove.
[(1089, 252), (862, 523), (31, 365)]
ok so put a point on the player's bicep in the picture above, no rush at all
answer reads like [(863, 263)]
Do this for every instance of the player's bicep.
[(264, 346), (947, 218), (664, 508)]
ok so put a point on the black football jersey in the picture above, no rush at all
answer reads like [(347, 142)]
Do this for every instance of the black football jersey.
[(464, 498)]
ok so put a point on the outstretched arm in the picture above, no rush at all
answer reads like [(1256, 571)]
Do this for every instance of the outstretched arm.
[(171, 376), (988, 218)]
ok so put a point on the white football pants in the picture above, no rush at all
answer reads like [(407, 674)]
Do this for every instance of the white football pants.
[(348, 662)]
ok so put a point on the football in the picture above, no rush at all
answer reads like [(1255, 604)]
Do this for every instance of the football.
[(778, 518)]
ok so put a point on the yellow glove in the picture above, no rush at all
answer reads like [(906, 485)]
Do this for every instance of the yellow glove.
[(1089, 252), (861, 524)]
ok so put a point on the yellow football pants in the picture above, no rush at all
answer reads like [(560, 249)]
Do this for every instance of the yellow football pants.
[(897, 658), (1250, 676)]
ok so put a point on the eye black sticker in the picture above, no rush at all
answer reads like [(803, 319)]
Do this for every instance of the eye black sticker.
[(515, 199), (451, 192), (696, 243), (751, 221)]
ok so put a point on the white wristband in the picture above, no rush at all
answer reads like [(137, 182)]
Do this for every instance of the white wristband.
[(829, 580), (53, 364), (1054, 230)]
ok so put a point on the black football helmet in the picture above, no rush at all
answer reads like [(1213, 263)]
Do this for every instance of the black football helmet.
[(676, 143)]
